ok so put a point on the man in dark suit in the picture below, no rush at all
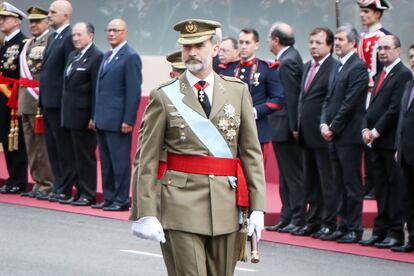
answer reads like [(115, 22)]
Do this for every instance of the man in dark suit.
[(58, 141), (77, 108), (118, 93), (379, 131), (405, 157), (320, 193), (341, 120), (13, 146), (283, 130), (263, 81)]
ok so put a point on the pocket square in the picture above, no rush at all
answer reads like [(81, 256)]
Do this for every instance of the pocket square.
[(80, 69)]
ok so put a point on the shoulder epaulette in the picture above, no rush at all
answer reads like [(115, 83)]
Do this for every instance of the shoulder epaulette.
[(233, 79)]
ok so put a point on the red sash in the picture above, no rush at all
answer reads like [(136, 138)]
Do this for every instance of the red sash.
[(29, 83), (13, 94), (210, 165)]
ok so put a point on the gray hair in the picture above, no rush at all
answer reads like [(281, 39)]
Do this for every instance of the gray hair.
[(350, 31)]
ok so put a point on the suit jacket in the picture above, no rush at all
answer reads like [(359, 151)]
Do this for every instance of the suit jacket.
[(79, 89), (344, 106), (198, 203), (283, 122), (118, 90), (310, 104), (9, 67), (266, 91), (34, 56), (384, 108), (54, 62), (405, 130)]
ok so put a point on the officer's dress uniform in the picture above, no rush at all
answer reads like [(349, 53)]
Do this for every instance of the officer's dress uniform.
[(40, 169), (16, 159)]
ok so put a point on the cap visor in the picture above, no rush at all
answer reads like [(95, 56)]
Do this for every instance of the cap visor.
[(193, 40)]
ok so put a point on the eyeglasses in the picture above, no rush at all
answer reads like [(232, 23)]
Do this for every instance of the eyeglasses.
[(114, 30)]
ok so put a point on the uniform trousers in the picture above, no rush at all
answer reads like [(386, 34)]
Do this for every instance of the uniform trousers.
[(39, 164), (188, 254)]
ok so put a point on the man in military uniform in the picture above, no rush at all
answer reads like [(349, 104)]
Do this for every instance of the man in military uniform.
[(11, 134), (229, 52), (177, 64), (205, 121), (263, 81), (30, 66), (370, 13)]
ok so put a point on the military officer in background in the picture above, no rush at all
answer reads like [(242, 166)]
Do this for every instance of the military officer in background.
[(177, 64), (262, 79), (203, 133), (11, 134), (229, 52), (371, 12), (30, 66)]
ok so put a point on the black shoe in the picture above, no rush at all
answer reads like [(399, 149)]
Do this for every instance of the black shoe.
[(44, 195), (11, 190), (277, 226), (289, 228), (371, 241), (331, 236), (388, 243), (305, 231), (28, 194), (58, 197), (101, 205), (407, 248), (350, 237), (116, 207), (66, 199), (82, 202), (320, 231)]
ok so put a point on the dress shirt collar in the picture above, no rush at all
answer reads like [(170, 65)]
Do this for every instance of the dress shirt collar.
[(10, 36), (321, 61), (192, 80), (83, 51), (281, 52), (344, 59), (117, 48), (59, 30), (391, 66)]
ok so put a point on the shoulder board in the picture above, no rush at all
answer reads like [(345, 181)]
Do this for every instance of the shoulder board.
[(167, 83), (272, 64), (233, 79)]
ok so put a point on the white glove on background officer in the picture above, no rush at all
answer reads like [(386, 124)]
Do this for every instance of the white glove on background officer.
[(256, 222), (148, 228)]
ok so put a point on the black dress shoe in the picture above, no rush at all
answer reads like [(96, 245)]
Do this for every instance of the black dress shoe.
[(277, 226), (82, 202), (28, 194), (371, 241), (289, 228), (66, 199), (388, 243), (11, 189), (407, 248), (318, 233), (331, 236), (44, 195), (305, 231), (59, 197), (350, 237), (116, 207), (101, 205)]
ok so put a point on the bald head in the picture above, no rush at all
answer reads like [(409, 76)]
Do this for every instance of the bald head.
[(280, 36), (60, 12), (116, 32)]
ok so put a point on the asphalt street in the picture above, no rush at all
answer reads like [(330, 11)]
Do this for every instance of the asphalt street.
[(44, 242)]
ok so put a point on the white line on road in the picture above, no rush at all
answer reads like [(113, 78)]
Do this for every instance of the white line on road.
[(160, 256)]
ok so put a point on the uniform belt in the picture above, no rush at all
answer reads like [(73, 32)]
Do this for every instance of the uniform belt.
[(210, 165)]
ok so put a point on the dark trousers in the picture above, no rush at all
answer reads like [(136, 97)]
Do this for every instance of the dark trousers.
[(407, 180), (84, 145), (16, 161), (346, 167), (322, 195), (60, 151), (115, 150), (389, 219), (368, 171), (291, 184)]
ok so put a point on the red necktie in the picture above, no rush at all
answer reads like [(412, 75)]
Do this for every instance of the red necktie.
[(381, 79), (312, 75), (202, 96)]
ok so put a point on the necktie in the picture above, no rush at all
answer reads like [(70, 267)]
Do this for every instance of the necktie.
[(75, 59), (107, 59), (337, 70), (381, 79), (411, 97), (202, 96), (312, 75)]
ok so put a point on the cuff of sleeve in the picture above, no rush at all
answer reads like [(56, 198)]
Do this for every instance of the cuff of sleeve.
[(375, 133)]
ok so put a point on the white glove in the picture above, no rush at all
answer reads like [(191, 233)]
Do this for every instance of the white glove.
[(148, 228), (256, 222)]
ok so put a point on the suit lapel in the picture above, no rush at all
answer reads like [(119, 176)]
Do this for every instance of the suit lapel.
[(385, 81), (114, 60), (408, 108), (189, 97), (219, 98), (82, 61)]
